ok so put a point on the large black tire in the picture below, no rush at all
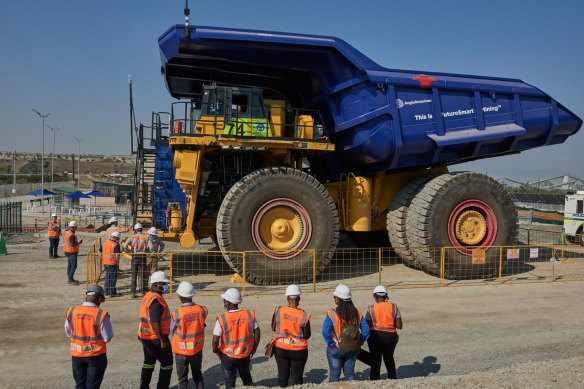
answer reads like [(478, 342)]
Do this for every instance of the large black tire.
[(250, 194), (429, 220), (396, 218)]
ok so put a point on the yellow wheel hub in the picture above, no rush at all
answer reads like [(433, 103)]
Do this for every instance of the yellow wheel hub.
[(281, 228), (471, 228)]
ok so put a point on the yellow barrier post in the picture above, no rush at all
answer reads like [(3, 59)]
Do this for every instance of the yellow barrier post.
[(170, 271), (243, 278), (314, 270), (442, 266), (501, 262), (553, 263), (35, 226)]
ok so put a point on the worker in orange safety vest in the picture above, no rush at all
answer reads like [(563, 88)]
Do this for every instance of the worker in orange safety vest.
[(292, 327), (153, 332), (54, 229), (187, 328), (89, 328), (235, 339), (384, 319), (71, 248), (110, 257), (113, 222)]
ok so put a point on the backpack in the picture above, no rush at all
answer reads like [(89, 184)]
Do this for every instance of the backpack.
[(350, 342)]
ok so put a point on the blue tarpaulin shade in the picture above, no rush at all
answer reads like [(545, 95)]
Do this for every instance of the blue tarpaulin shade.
[(77, 195), (95, 193), (39, 192)]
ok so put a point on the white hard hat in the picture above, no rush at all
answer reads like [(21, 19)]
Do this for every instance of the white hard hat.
[(116, 234), (293, 290), (343, 292), (72, 223), (380, 290), (54, 215), (138, 226), (186, 289), (158, 276), (232, 295), (152, 231), (113, 219)]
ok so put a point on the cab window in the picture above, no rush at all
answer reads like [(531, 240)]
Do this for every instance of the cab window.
[(257, 110), (215, 102), (240, 105), (580, 206)]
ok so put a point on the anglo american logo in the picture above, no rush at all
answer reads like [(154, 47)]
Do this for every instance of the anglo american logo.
[(401, 103)]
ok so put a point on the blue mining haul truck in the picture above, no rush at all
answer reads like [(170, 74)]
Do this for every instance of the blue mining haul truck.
[(281, 140)]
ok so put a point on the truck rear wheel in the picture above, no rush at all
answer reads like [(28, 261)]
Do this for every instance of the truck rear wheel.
[(465, 211), (275, 214), (397, 215)]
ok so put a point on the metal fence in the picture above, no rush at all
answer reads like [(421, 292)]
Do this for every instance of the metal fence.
[(358, 268), (10, 216)]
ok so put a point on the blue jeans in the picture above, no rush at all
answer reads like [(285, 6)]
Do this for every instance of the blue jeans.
[(337, 360), (71, 265), (88, 371), (111, 278), (53, 246)]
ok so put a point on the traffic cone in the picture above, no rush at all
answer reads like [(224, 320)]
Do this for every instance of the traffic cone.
[(3, 250)]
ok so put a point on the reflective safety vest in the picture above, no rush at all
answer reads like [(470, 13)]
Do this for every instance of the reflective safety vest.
[(189, 333), (145, 329), (54, 229), (290, 323), (383, 316), (237, 339), (139, 243), (67, 246), (338, 325), (108, 257), (85, 325)]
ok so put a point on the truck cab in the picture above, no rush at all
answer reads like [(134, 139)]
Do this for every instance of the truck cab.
[(244, 112), (574, 217)]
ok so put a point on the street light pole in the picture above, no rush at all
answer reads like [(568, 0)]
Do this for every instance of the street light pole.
[(53, 155), (79, 160), (42, 162)]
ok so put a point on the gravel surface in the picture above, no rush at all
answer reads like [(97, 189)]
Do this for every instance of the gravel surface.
[(496, 336)]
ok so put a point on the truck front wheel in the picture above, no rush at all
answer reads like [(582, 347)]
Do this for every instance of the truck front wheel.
[(278, 216)]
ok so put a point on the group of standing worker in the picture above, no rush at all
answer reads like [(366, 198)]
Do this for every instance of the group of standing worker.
[(236, 336), (145, 251)]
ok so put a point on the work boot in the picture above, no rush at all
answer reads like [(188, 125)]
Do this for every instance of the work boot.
[(133, 294), (51, 256), (73, 283)]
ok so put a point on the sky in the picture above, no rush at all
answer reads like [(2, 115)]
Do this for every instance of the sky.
[(72, 59)]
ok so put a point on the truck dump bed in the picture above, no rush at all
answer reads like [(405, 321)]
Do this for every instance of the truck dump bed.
[(379, 119)]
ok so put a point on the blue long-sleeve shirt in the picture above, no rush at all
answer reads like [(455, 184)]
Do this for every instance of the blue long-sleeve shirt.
[(327, 328)]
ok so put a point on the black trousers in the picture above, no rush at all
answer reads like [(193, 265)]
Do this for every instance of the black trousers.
[(182, 369), (138, 268), (290, 363), (88, 371), (231, 365), (381, 344), (152, 353)]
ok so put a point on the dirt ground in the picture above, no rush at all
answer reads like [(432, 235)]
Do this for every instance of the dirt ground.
[(491, 336)]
